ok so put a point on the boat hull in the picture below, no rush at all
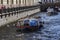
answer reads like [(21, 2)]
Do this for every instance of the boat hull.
[(29, 28), (52, 13)]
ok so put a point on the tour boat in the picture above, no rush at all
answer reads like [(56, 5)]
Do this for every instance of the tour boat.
[(29, 23)]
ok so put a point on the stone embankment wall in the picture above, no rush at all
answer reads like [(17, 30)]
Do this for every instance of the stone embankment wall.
[(7, 17)]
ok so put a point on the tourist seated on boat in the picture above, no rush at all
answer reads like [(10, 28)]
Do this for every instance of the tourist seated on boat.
[(18, 25), (26, 23)]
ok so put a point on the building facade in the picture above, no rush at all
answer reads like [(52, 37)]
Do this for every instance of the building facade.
[(18, 2), (49, 1)]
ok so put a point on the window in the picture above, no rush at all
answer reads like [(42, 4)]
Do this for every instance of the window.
[(7, 1), (26, 23), (25, 2), (1, 1), (19, 1), (16, 1), (11, 1)]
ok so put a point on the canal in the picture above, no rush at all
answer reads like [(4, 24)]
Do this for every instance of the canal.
[(50, 31)]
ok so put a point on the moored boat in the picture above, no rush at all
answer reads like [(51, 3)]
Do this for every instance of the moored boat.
[(51, 11)]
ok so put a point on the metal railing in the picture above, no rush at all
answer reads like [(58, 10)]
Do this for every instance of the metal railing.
[(16, 10)]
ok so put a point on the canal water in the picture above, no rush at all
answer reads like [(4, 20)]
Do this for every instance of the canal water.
[(50, 31)]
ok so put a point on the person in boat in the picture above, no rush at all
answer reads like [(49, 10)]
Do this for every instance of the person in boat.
[(40, 21), (18, 26), (31, 24)]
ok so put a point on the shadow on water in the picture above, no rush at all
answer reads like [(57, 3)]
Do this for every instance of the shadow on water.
[(29, 31)]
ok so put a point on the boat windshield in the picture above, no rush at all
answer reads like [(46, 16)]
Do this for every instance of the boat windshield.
[(33, 23), (26, 23)]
